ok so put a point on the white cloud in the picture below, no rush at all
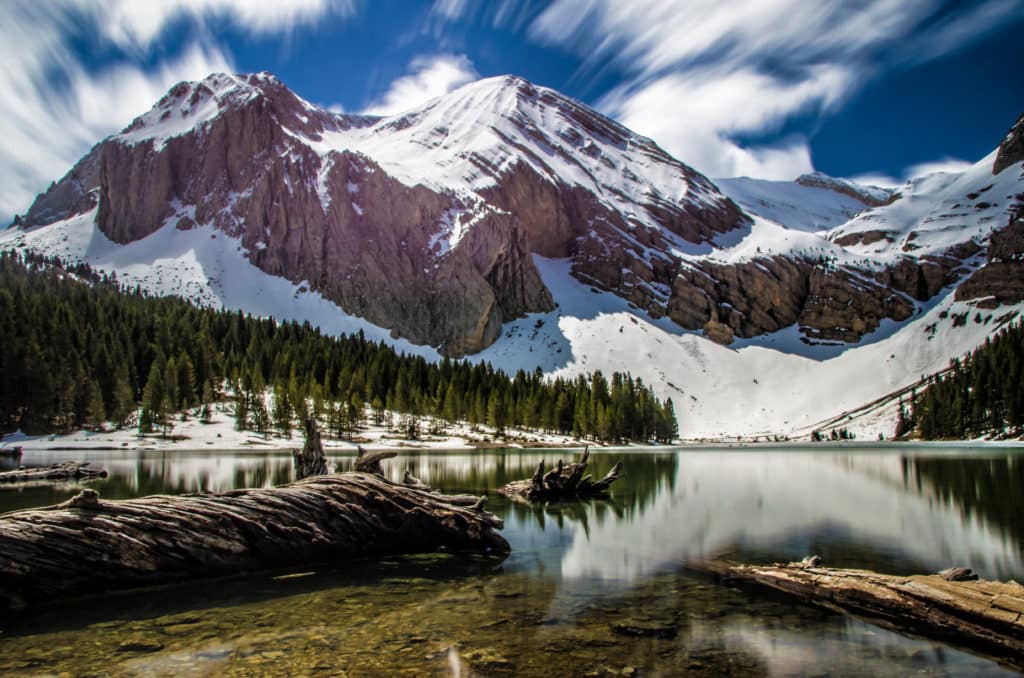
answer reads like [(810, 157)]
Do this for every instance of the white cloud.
[(702, 73), (135, 23), (950, 165), (54, 108), (451, 10), (691, 114), (430, 77)]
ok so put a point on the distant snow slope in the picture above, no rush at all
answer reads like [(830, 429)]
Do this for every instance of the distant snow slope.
[(803, 208), (936, 211)]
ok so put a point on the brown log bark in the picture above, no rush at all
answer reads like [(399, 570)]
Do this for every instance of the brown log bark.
[(91, 545), (67, 470), (986, 617), (565, 482)]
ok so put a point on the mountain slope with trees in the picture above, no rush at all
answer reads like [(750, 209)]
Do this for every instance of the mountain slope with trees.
[(981, 394), (79, 351)]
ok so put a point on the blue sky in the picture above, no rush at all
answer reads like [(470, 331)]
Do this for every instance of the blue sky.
[(878, 89)]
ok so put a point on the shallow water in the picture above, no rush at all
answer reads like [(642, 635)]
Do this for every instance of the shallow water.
[(590, 589)]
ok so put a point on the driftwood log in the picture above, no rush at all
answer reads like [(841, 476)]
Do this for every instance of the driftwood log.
[(91, 545), (68, 470), (986, 617), (563, 483)]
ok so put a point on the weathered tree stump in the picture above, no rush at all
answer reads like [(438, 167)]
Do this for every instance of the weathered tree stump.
[(562, 483), (369, 462), (985, 617), (68, 470), (90, 545), (310, 460)]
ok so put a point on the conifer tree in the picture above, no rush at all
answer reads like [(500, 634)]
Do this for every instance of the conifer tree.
[(97, 412)]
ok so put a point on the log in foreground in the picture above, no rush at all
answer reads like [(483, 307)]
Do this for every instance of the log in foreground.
[(91, 545), (68, 470), (986, 617), (562, 483)]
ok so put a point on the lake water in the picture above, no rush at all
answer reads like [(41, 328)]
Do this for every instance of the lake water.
[(589, 589)]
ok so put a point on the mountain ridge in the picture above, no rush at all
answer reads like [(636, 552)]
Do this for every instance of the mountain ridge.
[(505, 250)]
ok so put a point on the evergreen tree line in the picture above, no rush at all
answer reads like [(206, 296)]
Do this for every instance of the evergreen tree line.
[(79, 350), (982, 393)]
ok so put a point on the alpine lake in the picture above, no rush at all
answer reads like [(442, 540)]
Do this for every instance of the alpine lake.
[(590, 589)]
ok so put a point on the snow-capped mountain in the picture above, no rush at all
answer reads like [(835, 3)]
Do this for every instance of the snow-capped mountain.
[(511, 223), (423, 222)]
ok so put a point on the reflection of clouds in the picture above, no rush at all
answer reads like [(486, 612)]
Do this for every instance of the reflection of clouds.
[(848, 646), (768, 499)]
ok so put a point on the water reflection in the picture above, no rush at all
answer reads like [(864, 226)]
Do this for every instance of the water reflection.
[(588, 587), (854, 510)]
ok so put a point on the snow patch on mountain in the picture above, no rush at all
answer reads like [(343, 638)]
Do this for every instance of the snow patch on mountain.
[(803, 208), (935, 212)]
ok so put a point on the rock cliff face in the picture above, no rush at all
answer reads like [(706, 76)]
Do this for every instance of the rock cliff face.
[(766, 295), (1001, 279)]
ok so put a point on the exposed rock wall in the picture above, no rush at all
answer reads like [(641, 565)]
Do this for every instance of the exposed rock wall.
[(1001, 279), (1011, 150)]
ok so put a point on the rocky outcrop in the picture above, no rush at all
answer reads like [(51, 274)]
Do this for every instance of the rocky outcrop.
[(871, 196), (750, 298), (863, 238), (1001, 279), (1011, 150), (766, 295), (844, 306)]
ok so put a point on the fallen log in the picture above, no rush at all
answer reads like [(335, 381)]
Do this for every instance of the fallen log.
[(562, 483), (92, 545), (68, 470), (986, 617)]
